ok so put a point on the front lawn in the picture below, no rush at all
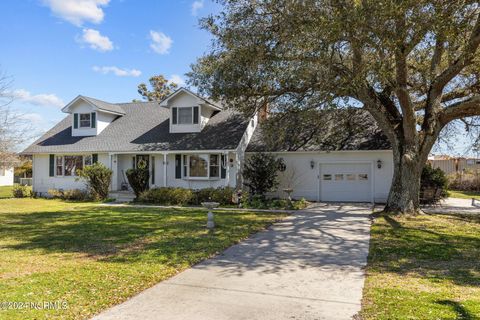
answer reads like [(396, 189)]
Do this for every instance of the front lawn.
[(464, 194), (424, 267), (6, 192), (92, 257)]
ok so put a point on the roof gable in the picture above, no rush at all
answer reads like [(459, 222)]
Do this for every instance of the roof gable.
[(200, 99), (96, 104)]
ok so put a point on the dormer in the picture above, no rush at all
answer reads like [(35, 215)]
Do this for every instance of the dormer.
[(91, 116), (189, 112)]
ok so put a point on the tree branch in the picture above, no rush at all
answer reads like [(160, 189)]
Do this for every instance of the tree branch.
[(459, 110)]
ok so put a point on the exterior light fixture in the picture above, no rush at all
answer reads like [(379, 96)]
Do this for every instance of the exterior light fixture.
[(379, 164), (281, 165), (312, 164)]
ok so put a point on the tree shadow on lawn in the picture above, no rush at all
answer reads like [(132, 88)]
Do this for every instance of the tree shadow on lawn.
[(94, 231), (326, 239), (440, 254), (460, 310), (126, 235)]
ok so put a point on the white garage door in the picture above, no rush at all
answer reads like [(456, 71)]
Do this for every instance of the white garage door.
[(346, 182)]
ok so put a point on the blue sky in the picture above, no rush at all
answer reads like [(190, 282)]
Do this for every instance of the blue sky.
[(54, 50)]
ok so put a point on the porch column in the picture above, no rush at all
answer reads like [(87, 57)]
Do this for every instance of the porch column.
[(114, 167), (164, 169), (227, 173)]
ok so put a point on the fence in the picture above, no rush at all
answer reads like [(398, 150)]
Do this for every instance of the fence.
[(25, 181), (456, 165)]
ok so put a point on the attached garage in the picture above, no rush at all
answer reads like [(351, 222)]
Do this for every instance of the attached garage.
[(342, 182)]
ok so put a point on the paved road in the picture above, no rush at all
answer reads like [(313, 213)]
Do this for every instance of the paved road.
[(309, 266)]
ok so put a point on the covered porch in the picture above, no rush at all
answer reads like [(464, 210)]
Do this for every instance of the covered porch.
[(189, 169)]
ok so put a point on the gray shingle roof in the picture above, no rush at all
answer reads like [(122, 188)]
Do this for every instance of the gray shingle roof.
[(144, 127), (105, 106), (333, 134)]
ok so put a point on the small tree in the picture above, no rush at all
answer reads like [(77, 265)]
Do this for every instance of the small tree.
[(161, 88), (261, 173), (433, 178), (138, 179), (97, 178)]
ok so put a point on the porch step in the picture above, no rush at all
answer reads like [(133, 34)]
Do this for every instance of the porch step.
[(122, 196)]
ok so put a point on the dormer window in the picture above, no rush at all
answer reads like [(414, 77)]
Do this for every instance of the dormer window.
[(185, 115), (85, 120)]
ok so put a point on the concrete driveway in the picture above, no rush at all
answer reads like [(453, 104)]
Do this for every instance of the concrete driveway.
[(309, 266)]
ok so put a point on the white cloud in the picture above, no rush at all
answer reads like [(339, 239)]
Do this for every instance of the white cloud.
[(177, 79), (48, 100), (197, 5), (33, 118), (78, 11), (117, 71), (96, 41), (161, 43)]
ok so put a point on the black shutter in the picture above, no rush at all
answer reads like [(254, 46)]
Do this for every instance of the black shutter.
[(75, 120), (178, 166), (93, 120), (153, 169), (223, 170), (94, 158), (174, 115), (134, 164), (195, 115), (52, 165)]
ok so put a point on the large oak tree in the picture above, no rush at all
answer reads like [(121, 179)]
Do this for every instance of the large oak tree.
[(414, 65)]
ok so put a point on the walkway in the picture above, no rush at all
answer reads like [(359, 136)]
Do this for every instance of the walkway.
[(309, 266)]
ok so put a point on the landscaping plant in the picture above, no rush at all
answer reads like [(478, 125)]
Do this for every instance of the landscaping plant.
[(261, 173), (97, 178), (138, 179)]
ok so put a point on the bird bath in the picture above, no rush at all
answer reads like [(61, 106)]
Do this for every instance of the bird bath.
[(210, 206)]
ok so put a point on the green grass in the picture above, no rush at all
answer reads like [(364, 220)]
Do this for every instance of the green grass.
[(6, 192), (464, 194), (93, 257), (423, 267)]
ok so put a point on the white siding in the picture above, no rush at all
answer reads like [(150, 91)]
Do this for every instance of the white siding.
[(306, 182), (7, 178), (42, 182), (103, 119)]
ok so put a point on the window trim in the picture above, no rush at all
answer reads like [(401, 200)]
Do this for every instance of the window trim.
[(62, 156), (177, 122), (185, 165), (89, 120)]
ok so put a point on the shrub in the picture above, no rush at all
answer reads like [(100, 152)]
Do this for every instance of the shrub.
[(433, 179), (138, 179), (257, 202), (465, 181), (261, 173), (223, 195), (167, 196), (97, 178), (19, 191), (72, 195)]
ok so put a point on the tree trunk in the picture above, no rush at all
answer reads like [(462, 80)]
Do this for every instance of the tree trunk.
[(404, 193)]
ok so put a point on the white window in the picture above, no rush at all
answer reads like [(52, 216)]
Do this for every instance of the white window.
[(2, 172), (68, 165), (185, 115), (339, 177), (201, 166), (59, 166), (351, 176), (72, 164), (327, 177), (198, 166), (214, 166), (85, 120), (87, 160), (363, 176)]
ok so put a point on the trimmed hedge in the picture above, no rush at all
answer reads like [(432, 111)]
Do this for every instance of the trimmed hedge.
[(182, 196)]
